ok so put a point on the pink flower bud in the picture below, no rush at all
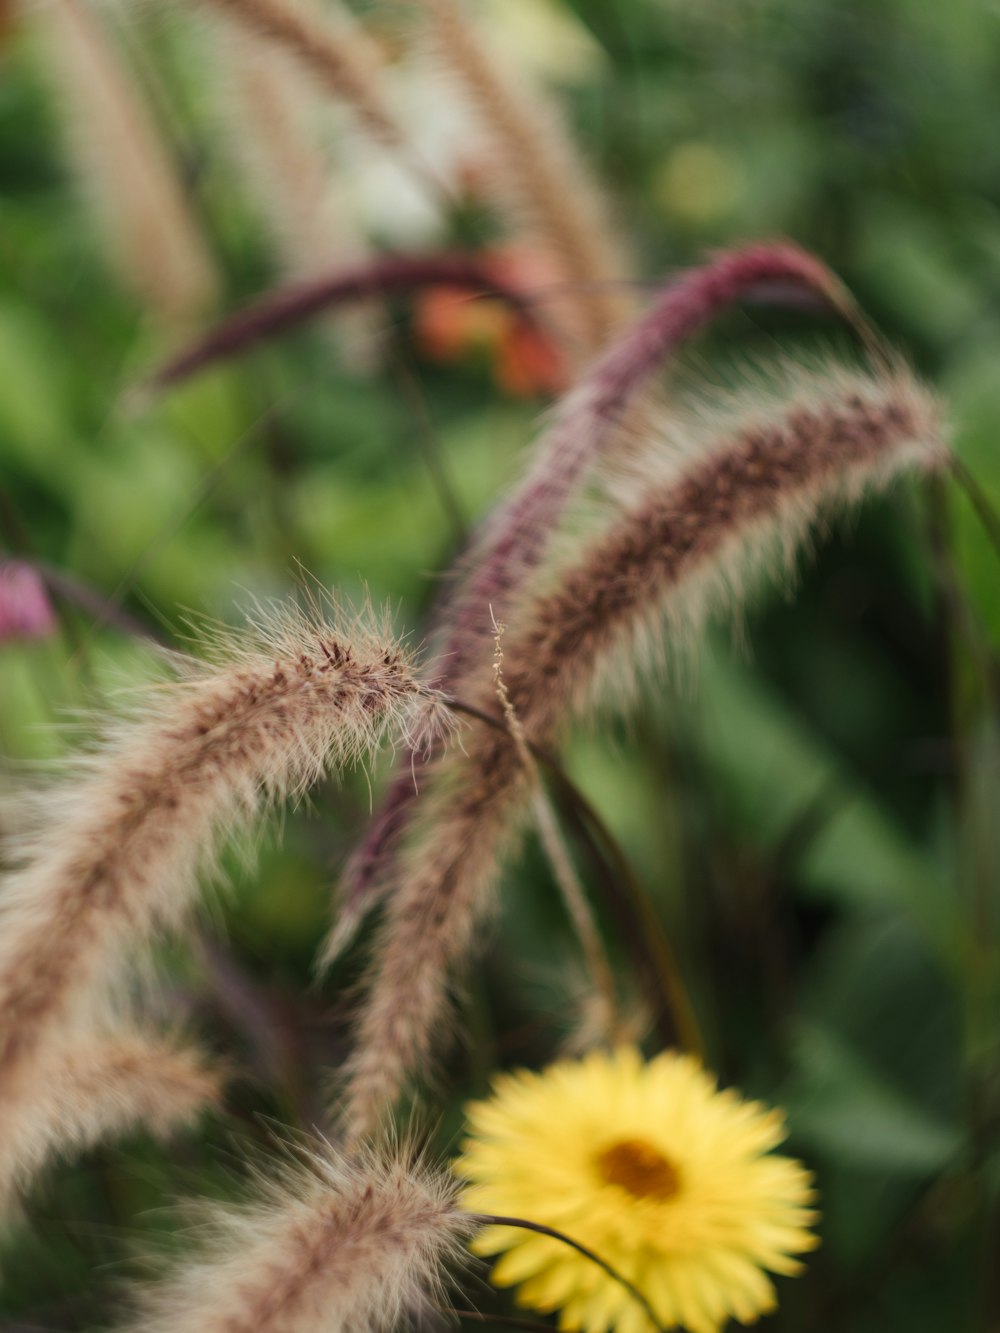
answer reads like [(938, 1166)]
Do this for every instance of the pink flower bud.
[(25, 609)]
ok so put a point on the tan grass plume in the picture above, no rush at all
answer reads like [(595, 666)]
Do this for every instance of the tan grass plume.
[(274, 118), (275, 139), (758, 475), (149, 232), (333, 1246), (538, 178), (107, 1084), (330, 46), (126, 837)]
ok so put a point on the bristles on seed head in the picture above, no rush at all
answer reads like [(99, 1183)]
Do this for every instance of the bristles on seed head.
[(332, 49), (144, 815), (538, 179), (607, 416), (151, 237), (333, 1245), (106, 1084), (759, 474), (723, 496), (275, 140)]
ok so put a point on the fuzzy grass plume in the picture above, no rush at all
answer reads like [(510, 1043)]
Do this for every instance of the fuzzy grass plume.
[(121, 852), (108, 1084), (537, 178), (332, 48), (588, 427), (124, 169), (758, 475), (276, 139), (334, 1245), (587, 430), (277, 144)]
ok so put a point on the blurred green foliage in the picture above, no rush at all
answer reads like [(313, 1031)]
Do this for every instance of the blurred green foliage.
[(814, 813)]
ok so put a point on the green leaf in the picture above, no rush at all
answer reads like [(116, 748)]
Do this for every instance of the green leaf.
[(775, 772), (840, 1105)]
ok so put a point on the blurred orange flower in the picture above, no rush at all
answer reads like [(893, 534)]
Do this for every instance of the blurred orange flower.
[(450, 325)]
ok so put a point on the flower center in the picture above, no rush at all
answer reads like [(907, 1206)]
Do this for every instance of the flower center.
[(639, 1168)]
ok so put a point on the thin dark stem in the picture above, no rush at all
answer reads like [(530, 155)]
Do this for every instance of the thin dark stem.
[(103, 609), (980, 501), (430, 447), (625, 893), (495, 1220), (647, 936), (959, 616), (950, 618), (506, 1320)]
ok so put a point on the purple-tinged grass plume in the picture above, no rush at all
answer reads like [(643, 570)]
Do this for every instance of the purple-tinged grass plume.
[(758, 476), (333, 1246), (125, 174), (587, 427), (516, 538), (25, 609), (106, 1084), (294, 304), (128, 833)]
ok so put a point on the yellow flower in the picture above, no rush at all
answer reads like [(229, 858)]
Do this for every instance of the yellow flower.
[(654, 1169)]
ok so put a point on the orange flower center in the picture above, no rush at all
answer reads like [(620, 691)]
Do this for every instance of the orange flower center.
[(639, 1168)]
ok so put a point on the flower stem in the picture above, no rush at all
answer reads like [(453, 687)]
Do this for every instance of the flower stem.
[(495, 1220), (506, 1320)]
